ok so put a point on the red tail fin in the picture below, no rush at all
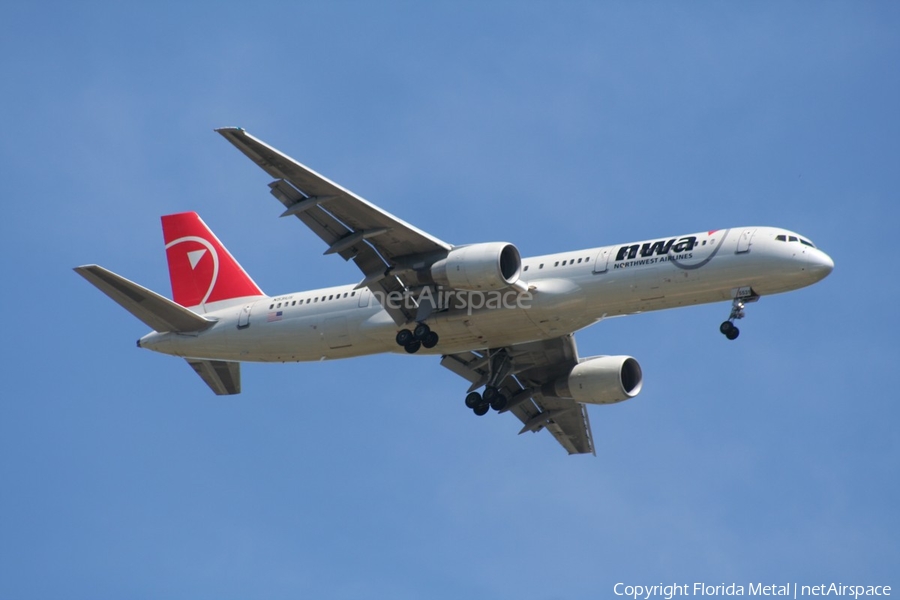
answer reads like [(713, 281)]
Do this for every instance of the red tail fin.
[(200, 268)]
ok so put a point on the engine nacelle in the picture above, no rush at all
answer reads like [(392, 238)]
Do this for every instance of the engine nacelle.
[(479, 267), (600, 380)]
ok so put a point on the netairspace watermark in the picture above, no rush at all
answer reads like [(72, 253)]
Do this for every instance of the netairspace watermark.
[(784, 590), (442, 299)]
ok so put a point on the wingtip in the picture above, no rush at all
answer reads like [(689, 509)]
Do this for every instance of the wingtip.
[(225, 130)]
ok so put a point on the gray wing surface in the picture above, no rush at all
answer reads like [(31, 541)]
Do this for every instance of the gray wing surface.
[(531, 366), (379, 243), (222, 377)]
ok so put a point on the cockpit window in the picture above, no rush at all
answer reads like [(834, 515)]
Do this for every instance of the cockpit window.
[(793, 238)]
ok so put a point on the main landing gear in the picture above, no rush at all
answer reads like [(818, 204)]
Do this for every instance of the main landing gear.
[(421, 335), (491, 398), (727, 328), (499, 367)]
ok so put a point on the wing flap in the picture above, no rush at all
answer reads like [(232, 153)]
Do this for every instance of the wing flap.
[(332, 231), (157, 312)]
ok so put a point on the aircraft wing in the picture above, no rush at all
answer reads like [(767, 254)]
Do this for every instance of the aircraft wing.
[(375, 240), (531, 366), (222, 377)]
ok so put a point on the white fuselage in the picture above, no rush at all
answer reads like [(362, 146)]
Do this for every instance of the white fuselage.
[(566, 292)]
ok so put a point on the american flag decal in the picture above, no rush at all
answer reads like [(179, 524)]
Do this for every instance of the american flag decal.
[(274, 316)]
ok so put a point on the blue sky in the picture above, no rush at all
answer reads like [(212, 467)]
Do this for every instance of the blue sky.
[(552, 125)]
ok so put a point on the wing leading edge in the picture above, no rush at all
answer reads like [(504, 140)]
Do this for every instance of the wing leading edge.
[(380, 244)]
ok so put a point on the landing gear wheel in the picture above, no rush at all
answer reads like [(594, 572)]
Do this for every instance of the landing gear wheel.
[(730, 331), (430, 340), (482, 409), (404, 337), (490, 394), (499, 402), (473, 400), (421, 331), (412, 347)]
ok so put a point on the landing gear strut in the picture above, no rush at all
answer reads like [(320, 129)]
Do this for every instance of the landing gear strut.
[(422, 335), (727, 328)]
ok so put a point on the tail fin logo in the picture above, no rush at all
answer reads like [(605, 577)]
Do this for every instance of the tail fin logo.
[(194, 257), (200, 268)]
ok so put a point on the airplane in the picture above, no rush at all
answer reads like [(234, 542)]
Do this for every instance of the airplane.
[(504, 323)]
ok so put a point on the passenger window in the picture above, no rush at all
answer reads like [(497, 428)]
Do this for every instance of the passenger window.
[(556, 264), (294, 303), (345, 294), (316, 299), (307, 300), (579, 261), (279, 305), (352, 294), (526, 268), (541, 266), (271, 306)]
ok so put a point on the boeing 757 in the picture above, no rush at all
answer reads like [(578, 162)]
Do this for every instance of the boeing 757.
[(502, 322)]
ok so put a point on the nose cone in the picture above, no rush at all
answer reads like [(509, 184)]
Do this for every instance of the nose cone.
[(820, 264)]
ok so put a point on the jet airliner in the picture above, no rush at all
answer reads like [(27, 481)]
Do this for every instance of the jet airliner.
[(502, 322)]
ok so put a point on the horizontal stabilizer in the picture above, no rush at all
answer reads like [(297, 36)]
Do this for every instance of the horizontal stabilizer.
[(222, 377), (159, 313)]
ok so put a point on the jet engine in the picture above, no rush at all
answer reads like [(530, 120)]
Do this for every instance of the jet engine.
[(479, 267), (600, 380)]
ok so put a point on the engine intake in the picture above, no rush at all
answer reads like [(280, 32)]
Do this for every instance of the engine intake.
[(600, 380), (479, 267)]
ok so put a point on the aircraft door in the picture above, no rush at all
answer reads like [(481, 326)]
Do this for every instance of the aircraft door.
[(335, 331), (601, 265), (364, 296), (244, 317), (744, 241)]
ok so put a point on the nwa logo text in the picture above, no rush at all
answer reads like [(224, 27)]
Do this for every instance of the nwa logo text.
[(650, 252)]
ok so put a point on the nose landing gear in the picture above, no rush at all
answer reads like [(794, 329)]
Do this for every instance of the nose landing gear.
[(730, 331), (422, 335), (727, 328)]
